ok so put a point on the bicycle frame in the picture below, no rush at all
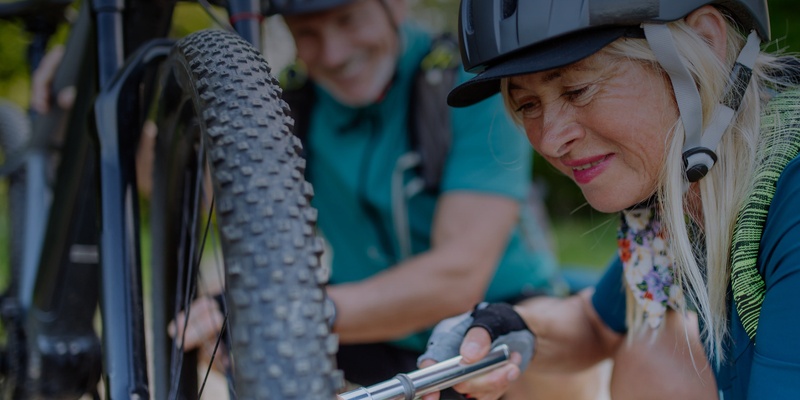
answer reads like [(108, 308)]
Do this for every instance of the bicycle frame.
[(84, 250)]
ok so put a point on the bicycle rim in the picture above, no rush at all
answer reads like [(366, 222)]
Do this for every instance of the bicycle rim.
[(221, 117)]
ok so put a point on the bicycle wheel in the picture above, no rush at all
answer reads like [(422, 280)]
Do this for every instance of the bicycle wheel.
[(221, 119)]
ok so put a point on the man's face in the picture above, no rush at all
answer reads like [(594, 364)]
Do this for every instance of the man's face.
[(350, 50)]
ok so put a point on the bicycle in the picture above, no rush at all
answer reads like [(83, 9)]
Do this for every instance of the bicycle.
[(220, 118)]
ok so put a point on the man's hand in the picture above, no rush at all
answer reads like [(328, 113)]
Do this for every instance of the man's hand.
[(42, 80), (204, 326)]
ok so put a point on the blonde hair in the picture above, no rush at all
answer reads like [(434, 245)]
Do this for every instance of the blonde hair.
[(702, 267)]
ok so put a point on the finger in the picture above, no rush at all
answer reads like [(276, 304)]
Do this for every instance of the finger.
[(431, 396), (216, 356), (42, 78), (205, 322), (66, 97), (172, 329), (476, 345), (195, 337), (514, 373), (491, 385)]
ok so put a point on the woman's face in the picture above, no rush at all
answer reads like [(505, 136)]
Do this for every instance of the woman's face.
[(602, 121)]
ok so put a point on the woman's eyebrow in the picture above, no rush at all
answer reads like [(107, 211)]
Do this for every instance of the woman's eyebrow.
[(552, 76), (513, 86), (558, 73), (555, 74)]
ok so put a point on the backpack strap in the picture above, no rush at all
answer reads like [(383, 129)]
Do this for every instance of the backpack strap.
[(298, 93), (747, 283), (428, 115)]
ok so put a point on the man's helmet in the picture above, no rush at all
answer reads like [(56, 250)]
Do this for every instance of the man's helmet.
[(501, 38), (297, 7), (294, 7)]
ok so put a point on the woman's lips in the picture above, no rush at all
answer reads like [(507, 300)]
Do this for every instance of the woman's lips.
[(584, 171)]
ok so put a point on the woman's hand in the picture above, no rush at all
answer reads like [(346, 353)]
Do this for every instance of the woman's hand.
[(490, 386), (486, 326)]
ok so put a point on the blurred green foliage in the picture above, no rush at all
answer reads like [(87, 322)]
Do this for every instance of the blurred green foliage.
[(579, 229), (14, 74), (440, 15)]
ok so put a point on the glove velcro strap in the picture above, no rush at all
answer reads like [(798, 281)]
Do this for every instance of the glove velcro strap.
[(498, 319)]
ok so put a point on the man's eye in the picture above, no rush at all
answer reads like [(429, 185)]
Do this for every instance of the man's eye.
[(303, 34), (346, 20), (350, 20)]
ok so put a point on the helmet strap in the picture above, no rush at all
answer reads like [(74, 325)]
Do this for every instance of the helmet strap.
[(699, 144)]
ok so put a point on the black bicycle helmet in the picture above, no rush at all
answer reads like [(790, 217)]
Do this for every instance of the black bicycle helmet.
[(501, 38), (298, 7), (295, 7)]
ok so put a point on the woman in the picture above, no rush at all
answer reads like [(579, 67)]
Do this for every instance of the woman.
[(668, 113)]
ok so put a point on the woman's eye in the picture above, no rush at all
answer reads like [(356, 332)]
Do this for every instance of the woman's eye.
[(528, 110), (580, 95)]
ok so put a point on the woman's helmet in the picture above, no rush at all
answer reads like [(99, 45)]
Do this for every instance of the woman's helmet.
[(503, 38)]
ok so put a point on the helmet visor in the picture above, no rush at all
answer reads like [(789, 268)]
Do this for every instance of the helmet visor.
[(555, 53), (298, 7)]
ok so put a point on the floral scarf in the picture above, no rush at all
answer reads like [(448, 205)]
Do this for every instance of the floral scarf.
[(647, 264)]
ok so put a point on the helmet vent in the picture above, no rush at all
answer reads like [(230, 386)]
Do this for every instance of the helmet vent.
[(509, 8), (469, 28)]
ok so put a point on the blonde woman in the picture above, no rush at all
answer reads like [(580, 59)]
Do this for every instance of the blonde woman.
[(669, 113)]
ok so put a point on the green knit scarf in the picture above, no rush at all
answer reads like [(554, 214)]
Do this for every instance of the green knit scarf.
[(781, 123)]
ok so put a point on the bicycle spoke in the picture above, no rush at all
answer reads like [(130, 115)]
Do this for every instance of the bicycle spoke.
[(213, 356), (190, 270), (177, 351)]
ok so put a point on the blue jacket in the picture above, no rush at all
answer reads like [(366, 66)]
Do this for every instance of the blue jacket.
[(770, 367)]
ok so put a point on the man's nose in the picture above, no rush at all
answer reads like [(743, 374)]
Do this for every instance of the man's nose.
[(335, 50)]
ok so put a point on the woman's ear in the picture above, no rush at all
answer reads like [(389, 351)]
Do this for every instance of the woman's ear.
[(709, 23)]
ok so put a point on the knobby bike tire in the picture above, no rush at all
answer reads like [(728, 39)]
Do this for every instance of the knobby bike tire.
[(221, 115)]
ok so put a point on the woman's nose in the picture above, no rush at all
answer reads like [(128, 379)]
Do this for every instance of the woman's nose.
[(560, 131)]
